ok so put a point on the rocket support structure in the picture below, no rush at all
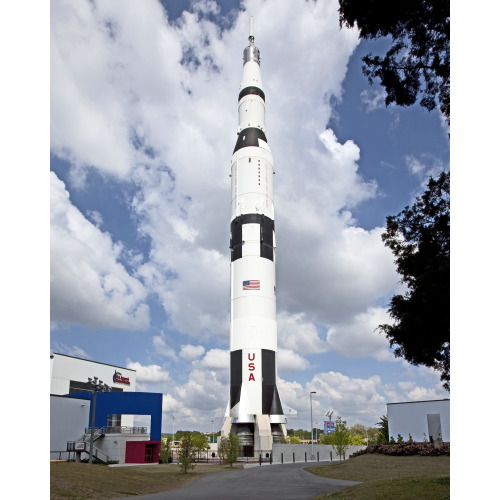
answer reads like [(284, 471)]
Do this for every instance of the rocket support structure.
[(255, 412)]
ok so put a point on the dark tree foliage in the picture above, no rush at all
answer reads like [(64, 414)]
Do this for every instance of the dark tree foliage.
[(419, 237), (418, 63), (383, 430)]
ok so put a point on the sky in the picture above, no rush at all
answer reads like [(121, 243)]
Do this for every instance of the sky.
[(143, 119)]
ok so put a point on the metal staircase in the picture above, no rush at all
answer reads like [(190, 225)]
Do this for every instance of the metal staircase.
[(82, 444)]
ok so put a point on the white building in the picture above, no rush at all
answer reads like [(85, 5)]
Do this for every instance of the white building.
[(69, 374), (420, 419), (117, 439)]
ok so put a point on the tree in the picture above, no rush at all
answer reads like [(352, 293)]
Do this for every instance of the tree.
[(301, 434), (165, 449), (418, 63), (356, 440), (383, 433), (340, 437), (358, 435), (187, 452), (358, 430), (372, 435), (228, 448), (419, 237), (200, 442)]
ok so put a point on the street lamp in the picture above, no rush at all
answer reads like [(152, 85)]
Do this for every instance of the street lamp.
[(312, 440), (173, 420), (212, 431), (97, 386)]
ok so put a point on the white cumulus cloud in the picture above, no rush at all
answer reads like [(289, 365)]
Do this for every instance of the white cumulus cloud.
[(191, 352), (89, 285)]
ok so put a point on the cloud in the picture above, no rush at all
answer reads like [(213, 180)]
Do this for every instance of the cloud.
[(359, 338), (148, 374), (88, 284), (191, 352), (373, 99), (74, 350), (289, 361), (297, 334), (336, 274), (204, 392), (356, 400), (160, 343), (424, 167), (215, 359), (412, 392)]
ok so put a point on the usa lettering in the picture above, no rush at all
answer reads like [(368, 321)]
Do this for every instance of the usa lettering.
[(251, 366)]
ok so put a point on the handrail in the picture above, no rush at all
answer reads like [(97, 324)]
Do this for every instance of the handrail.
[(117, 430), (98, 453)]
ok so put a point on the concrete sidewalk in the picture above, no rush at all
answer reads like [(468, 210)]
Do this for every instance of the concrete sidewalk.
[(274, 482)]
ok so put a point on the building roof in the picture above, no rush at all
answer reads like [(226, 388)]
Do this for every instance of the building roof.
[(91, 361), (426, 401)]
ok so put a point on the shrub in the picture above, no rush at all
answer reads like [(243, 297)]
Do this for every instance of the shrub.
[(406, 449)]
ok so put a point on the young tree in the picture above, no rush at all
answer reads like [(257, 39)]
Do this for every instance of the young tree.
[(419, 237), (165, 449), (340, 437), (418, 63), (228, 448), (383, 432), (187, 452)]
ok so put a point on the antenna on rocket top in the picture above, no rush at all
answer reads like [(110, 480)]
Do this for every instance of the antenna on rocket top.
[(251, 53), (251, 38)]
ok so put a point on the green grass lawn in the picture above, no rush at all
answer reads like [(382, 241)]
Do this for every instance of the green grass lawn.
[(80, 481), (382, 477), (386, 477)]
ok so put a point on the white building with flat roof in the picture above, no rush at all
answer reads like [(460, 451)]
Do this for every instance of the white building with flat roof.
[(69, 374), (420, 419)]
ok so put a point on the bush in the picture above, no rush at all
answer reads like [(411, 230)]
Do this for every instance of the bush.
[(406, 449)]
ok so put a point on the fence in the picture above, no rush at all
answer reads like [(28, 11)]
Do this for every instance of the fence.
[(291, 453)]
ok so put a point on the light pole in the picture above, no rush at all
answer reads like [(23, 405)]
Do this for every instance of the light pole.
[(212, 431), (312, 440), (173, 420), (97, 386)]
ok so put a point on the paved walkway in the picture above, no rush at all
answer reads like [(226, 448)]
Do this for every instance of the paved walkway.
[(274, 482)]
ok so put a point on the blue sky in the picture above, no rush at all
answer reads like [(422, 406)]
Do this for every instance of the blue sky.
[(143, 118)]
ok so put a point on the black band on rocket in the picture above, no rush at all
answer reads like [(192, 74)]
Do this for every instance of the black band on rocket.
[(236, 377), (266, 235), (249, 137), (252, 90), (271, 404)]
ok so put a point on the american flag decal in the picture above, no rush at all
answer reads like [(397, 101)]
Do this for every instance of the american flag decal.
[(251, 285)]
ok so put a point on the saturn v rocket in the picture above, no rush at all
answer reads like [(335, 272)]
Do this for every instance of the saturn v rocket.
[(255, 412)]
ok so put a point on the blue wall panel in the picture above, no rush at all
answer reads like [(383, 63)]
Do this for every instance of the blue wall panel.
[(130, 403)]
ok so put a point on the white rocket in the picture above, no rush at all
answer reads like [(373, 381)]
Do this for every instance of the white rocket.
[(255, 411)]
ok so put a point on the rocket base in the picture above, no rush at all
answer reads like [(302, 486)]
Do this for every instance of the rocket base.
[(257, 437)]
